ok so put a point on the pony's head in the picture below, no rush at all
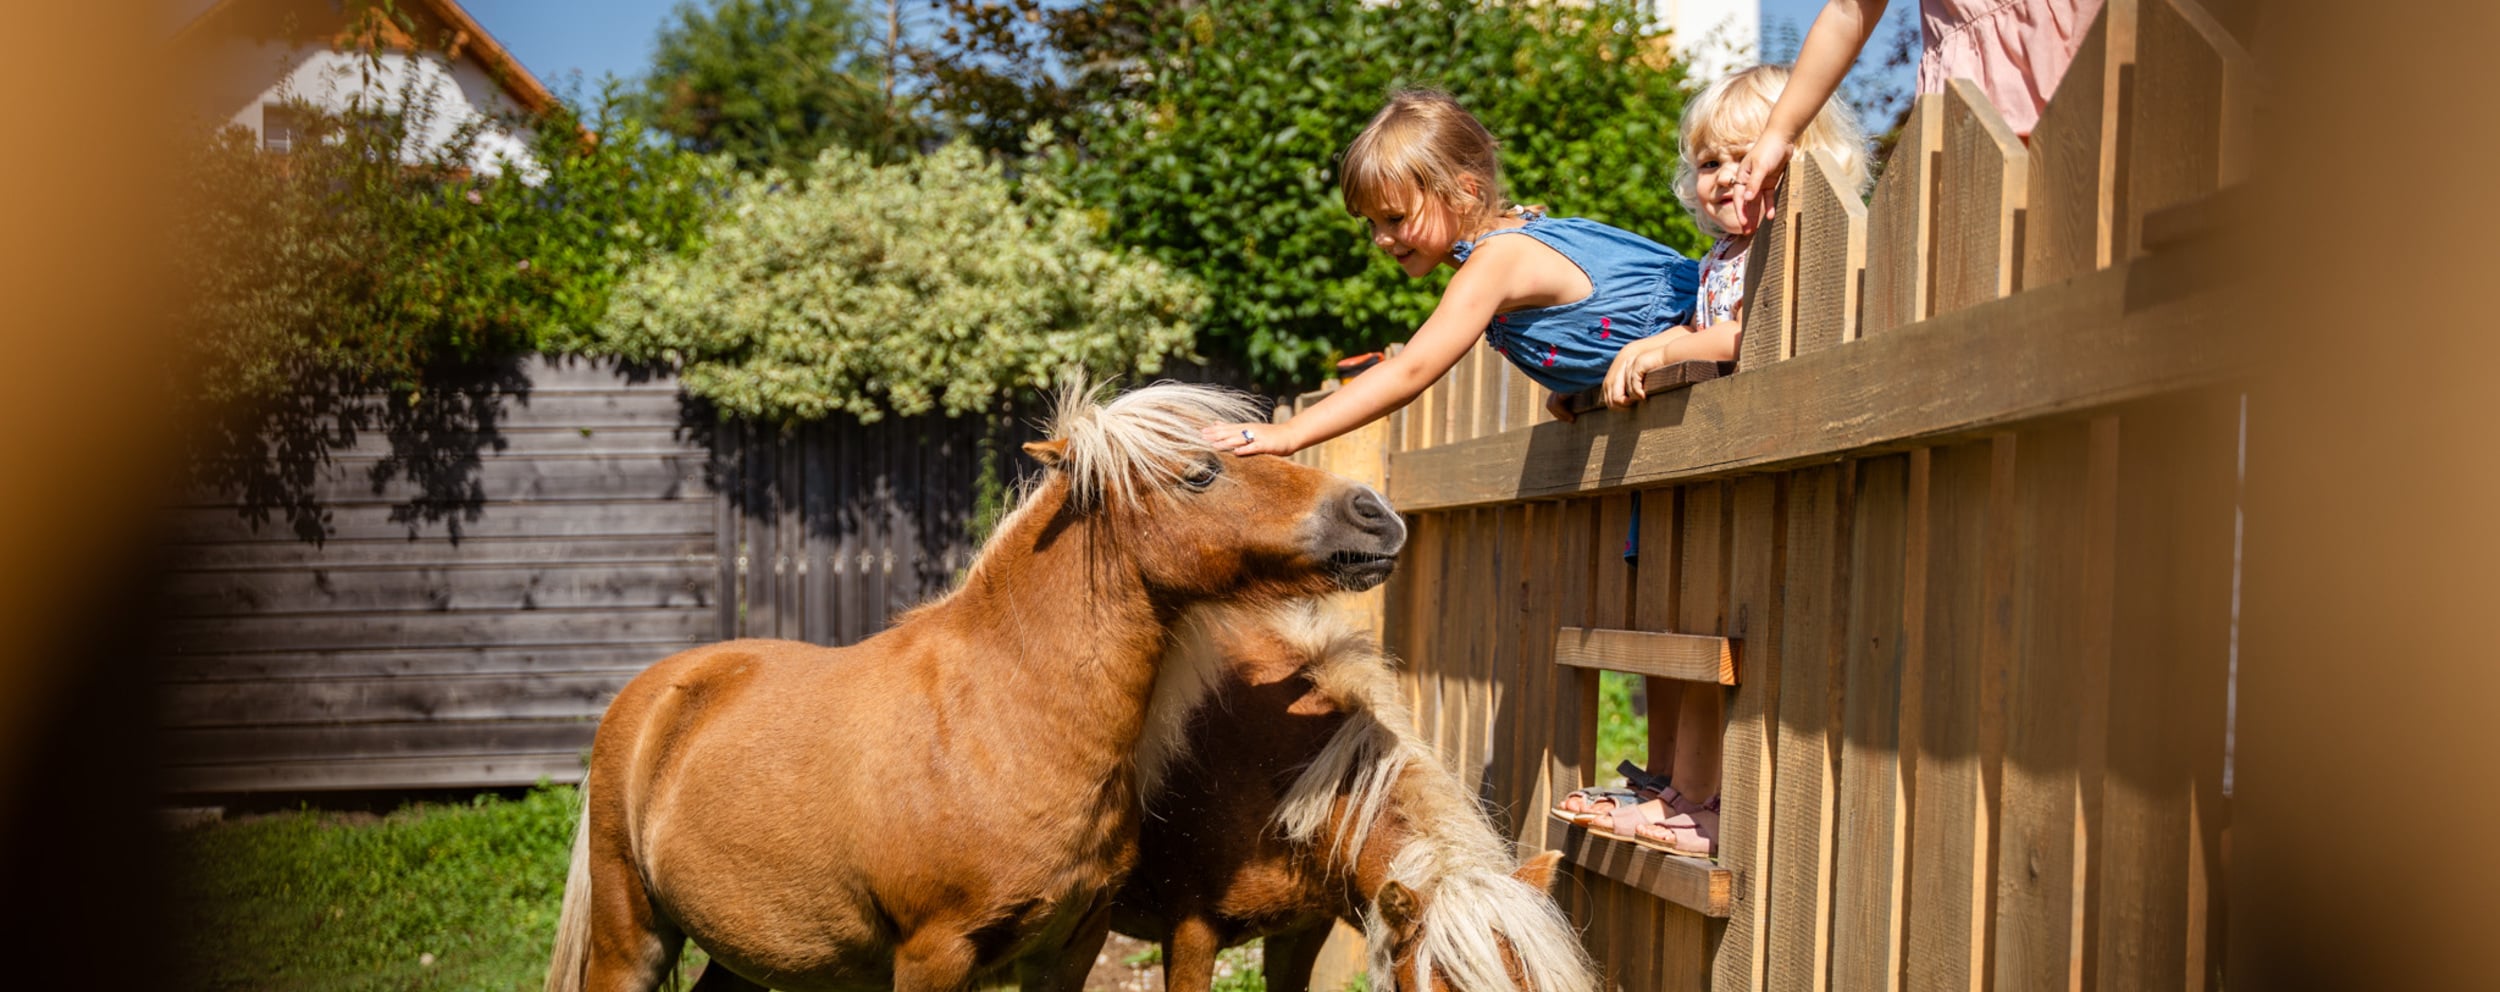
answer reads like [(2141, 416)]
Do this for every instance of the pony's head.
[(1196, 523), (1474, 929)]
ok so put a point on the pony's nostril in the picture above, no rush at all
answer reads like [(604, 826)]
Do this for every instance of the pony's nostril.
[(1369, 507)]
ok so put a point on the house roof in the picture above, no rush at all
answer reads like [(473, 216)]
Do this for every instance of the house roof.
[(464, 37)]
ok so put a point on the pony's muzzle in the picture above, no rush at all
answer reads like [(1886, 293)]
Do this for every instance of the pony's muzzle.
[(1368, 534)]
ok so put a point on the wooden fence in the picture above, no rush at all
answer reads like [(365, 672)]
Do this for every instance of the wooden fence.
[(1962, 524), (448, 598)]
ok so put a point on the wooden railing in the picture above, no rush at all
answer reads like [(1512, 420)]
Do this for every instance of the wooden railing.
[(1962, 525)]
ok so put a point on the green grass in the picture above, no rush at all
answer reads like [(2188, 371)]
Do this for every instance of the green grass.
[(439, 896), (1621, 733)]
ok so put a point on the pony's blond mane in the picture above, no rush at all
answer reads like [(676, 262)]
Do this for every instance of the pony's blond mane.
[(1148, 435), (1455, 854)]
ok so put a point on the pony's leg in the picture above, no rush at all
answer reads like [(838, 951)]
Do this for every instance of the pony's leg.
[(1189, 955), (1291, 956), (937, 959), (632, 947), (1067, 970)]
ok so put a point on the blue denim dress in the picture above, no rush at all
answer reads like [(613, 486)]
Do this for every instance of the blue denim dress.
[(1638, 287)]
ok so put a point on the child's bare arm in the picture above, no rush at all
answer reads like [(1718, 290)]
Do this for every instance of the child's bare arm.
[(1715, 343), (1455, 326), (1831, 46)]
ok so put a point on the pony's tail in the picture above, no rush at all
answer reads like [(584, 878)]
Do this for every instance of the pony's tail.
[(572, 953)]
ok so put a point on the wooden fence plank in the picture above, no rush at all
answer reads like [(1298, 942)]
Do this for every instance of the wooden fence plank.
[(377, 521), (2064, 501), (432, 588), (1867, 872), (1770, 286), (1652, 551), (1979, 228), (2168, 677), (497, 478), (1813, 644), (534, 695), (1685, 657), (2194, 116), (2073, 223), (2074, 346), (204, 563), (187, 750), (1574, 737), (603, 655), (321, 774), (1899, 236), (1700, 607), (1543, 690), (1831, 257), (1950, 862), (513, 628), (1758, 548)]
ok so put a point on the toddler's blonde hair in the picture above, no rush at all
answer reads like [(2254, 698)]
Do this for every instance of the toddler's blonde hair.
[(1423, 141), (1734, 110)]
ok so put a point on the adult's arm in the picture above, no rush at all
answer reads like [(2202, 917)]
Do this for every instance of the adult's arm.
[(1831, 47)]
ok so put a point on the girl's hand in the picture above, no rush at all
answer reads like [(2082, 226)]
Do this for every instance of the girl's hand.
[(1252, 439), (1623, 378), (1758, 175)]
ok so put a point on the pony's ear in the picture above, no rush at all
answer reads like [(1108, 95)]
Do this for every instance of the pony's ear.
[(1052, 453), (1538, 871), (1399, 907)]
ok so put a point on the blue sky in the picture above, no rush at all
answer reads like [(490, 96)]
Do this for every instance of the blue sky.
[(557, 38)]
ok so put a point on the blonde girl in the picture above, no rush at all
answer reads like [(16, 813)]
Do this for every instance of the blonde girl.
[(1557, 296), (1720, 125)]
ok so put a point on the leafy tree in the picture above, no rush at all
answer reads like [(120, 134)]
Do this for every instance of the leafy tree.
[(866, 288), (365, 255), (1216, 152), (771, 83)]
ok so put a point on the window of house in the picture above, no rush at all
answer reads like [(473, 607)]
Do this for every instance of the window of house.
[(279, 128)]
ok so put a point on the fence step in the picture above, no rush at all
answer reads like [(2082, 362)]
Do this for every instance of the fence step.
[(1684, 657), (1695, 884)]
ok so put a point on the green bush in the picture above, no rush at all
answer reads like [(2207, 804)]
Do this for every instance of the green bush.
[(366, 256), (866, 289)]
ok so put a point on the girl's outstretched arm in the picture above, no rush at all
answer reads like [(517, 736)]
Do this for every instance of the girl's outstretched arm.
[(1831, 46), (1474, 294)]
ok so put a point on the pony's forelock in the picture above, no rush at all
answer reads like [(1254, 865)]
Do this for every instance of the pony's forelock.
[(1147, 435)]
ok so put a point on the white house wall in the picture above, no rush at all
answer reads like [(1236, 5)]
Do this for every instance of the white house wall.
[(1712, 37), (333, 80)]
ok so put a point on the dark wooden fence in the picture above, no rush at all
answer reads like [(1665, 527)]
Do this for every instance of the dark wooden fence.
[(445, 593)]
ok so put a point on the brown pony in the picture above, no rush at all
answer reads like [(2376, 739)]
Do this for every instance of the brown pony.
[(932, 805), (1286, 789)]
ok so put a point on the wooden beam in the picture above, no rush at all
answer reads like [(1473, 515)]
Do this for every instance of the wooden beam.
[(1684, 657), (1693, 883), (1666, 379), (2115, 335)]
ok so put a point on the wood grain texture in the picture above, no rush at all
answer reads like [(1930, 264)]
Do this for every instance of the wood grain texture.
[(2193, 119), (2169, 658), (1684, 657), (1573, 743), (2065, 496), (1899, 235), (1701, 607), (1813, 646), (1961, 717), (1979, 224), (1692, 883), (1770, 302), (301, 591), (2086, 343), (2073, 223), (326, 774), (1867, 870), (1831, 256), (1758, 549), (1654, 382)]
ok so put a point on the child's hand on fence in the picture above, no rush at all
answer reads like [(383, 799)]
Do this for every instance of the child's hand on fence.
[(1623, 386), (1251, 439)]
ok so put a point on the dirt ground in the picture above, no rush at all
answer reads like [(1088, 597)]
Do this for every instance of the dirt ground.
[(1113, 973)]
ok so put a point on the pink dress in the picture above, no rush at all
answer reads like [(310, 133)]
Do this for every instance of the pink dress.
[(2017, 50)]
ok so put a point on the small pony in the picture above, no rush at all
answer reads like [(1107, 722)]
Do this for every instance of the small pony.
[(1287, 789), (765, 798)]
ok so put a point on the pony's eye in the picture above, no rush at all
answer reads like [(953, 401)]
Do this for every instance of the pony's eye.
[(1202, 474)]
